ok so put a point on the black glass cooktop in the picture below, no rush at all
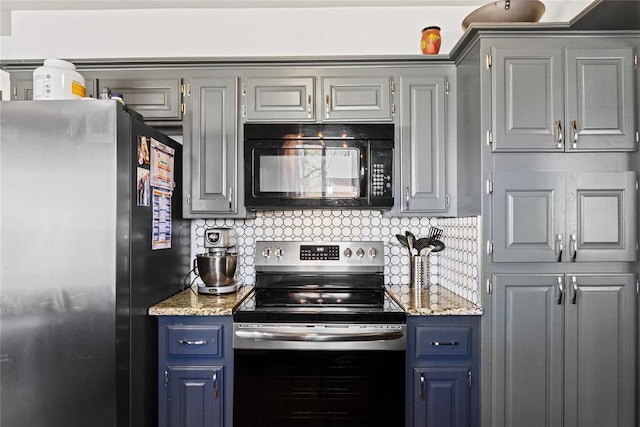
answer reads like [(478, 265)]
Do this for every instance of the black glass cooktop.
[(319, 306)]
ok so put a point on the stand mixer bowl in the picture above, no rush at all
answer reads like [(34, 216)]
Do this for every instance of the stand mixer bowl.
[(217, 269)]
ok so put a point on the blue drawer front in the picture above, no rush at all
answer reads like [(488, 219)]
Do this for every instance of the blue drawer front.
[(440, 342), (192, 340)]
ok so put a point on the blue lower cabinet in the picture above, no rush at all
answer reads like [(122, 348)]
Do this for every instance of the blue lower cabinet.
[(441, 396), (442, 371), (195, 396), (195, 371)]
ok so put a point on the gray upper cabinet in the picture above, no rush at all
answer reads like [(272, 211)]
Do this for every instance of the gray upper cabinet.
[(279, 99), (354, 97), (211, 149), (422, 144), (564, 217), (154, 98), (564, 350), (357, 98), (562, 99), (154, 94)]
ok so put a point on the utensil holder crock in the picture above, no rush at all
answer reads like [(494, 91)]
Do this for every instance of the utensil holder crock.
[(419, 271)]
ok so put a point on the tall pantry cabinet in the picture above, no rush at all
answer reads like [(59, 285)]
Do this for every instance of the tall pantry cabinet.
[(555, 124)]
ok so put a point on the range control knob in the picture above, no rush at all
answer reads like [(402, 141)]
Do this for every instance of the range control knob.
[(360, 252), (266, 252), (279, 252), (372, 253), (348, 253)]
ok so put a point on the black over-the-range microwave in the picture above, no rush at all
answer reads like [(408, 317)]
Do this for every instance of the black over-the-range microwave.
[(332, 166)]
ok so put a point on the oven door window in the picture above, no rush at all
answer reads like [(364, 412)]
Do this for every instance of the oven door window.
[(308, 172)]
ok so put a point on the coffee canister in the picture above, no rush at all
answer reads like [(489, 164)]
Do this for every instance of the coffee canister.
[(58, 79), (431, 39)]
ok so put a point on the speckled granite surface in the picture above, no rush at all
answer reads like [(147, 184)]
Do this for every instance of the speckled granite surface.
[(432, 301), (188, 303)]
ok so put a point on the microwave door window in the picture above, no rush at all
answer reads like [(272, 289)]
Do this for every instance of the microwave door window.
[(310, 172), (341, 173)]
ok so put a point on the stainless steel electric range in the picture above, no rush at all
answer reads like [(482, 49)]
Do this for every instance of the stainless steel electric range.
[(319, 342)]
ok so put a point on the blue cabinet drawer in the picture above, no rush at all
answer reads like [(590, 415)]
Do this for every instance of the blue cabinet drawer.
[(194, 340), (441, 342)]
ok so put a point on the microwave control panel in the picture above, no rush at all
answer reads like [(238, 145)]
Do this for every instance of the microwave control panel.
[(381, 173)]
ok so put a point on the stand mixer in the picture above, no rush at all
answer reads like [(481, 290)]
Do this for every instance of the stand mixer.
[(217, 266)]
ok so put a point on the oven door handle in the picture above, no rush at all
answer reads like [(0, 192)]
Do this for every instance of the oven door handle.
[(319, 337)]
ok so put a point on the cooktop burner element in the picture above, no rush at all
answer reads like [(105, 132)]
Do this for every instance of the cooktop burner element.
[(320, 282)]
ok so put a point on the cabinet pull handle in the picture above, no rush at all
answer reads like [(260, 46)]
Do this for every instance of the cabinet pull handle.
[(559, 137), (230, 198), (560, 289), (574, 285), (406, 197), (199, 342), (327, 101), (560, 246), (438, 343), (422, 386), (574, 247), (309, 105), (574, 130), (215, 385)]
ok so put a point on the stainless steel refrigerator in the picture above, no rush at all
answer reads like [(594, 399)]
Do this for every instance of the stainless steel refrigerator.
[(91, 236)]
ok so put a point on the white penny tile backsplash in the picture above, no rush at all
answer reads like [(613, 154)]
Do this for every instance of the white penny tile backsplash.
[(455, 268)]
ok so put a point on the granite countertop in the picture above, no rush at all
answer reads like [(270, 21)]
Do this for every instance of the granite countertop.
[(189, 303), (432, 301)]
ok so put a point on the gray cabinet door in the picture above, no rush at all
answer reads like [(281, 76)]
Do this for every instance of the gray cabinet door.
[(527, 354), (600, 350), (422, 144), (280, 99), (600, 102), (528, 216), (540, 103), (155, 99), (600, 216), (564, 217), (211, 148), (356, 98), (22, 86), (527, 103)]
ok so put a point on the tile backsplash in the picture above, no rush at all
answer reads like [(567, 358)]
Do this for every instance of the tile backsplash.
[(455, 268)]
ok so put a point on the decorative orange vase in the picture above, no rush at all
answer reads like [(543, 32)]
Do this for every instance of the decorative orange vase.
[(430, 40)]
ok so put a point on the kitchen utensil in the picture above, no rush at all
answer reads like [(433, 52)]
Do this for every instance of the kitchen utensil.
[(411, 239), (506, 11), (402, 240), (434, 233), (421, 243), (438, 245)]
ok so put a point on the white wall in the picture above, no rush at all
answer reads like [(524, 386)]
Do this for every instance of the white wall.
[(340, 31)]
